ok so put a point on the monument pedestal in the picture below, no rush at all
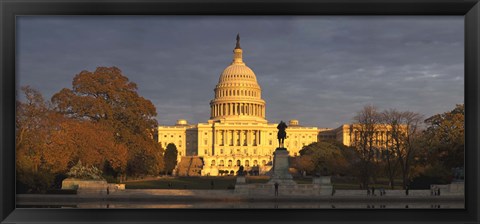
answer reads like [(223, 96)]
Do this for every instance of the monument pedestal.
[(280, 168)]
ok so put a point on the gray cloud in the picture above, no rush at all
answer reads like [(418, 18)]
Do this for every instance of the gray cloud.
[(317, 69)]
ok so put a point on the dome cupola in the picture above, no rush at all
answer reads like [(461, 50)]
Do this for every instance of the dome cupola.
[(237, 94)]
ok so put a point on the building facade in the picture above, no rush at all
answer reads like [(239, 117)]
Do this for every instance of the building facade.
[(237, 133)]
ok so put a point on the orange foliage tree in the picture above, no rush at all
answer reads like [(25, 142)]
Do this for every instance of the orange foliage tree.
[(48, 143), (107, 98)]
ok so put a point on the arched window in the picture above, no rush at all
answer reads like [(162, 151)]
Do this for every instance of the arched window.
[(247, 163), (213, 162), (221, 163), (239, 163), (229, 163), (255, 162), (264, 162)]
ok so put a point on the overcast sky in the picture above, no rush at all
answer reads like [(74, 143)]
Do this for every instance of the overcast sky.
[(320, 70)]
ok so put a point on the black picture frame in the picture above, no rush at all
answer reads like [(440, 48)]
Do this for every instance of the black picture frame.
[(9, 9)]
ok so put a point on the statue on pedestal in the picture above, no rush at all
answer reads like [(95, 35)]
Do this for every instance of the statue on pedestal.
[(282, 134)]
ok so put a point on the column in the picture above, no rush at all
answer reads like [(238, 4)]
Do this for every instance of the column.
[(249, 138), (241, 137), (234, 137), (260, 138), (227, 137)]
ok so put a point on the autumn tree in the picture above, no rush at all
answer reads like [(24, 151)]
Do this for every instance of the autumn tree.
[(170, 158), (366, 124), (32, 128), (445, 136), (106, 97), (48, 144), (91, 143)]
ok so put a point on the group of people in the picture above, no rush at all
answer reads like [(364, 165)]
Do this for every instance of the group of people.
[(435, 191), (371, 191)]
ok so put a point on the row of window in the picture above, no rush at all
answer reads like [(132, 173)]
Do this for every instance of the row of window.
[(171, 136), (239, 163), (231, 151)]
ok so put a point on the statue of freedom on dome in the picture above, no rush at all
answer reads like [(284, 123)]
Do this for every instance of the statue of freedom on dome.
[(282, 134)]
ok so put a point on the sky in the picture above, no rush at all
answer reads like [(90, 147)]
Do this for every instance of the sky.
[(320, 70)]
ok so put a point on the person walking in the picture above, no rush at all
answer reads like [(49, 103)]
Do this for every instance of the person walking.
[(276, 189), (333, 191), (108, 190), (373, 191), (406, 190)]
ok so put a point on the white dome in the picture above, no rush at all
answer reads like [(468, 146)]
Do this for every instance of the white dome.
[(237, 94), (238, 72)]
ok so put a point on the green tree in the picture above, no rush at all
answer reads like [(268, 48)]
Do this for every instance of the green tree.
[(170, 158), (325, 158), (107, 97)]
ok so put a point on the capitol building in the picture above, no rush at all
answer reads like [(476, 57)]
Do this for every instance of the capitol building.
[(237, 133)]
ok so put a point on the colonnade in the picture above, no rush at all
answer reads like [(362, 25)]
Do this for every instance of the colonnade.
[(227, 93), (228, 109), (238, 137)]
